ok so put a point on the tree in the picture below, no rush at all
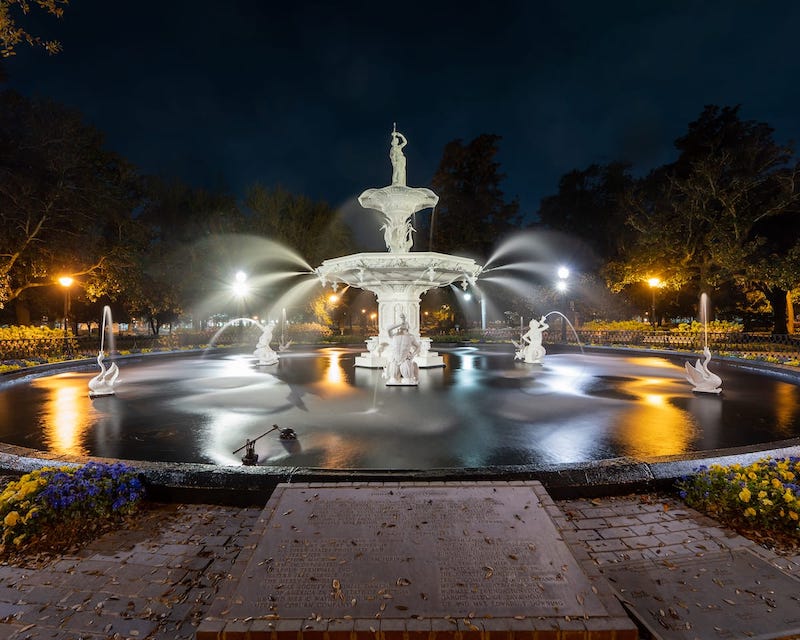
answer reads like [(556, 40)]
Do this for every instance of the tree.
[(471, 214), (11, 34), (182, 267), (312, 229), (65, 201), (702, 221), (587, 206)]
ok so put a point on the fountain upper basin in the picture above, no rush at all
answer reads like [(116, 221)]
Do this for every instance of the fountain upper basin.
[(421, 270)]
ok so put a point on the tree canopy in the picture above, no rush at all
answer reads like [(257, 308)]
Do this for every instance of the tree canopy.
[(718, 214), (65, 201), (472, 212), (12, 33)]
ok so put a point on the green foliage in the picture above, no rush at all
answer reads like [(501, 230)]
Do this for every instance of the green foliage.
[(12, 33), (26, 332), (764, 495), (66, 504), (714, 326), (725, 213), (614, 325), (65, 201)]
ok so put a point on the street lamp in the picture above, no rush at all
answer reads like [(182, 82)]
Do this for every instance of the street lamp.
[(654, 284), (66, 282)]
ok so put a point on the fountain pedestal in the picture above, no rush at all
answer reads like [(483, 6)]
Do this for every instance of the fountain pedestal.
[(398, 280)]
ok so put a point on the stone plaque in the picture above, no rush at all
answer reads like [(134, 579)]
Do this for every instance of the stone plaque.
[(469, 555), (717, 596)]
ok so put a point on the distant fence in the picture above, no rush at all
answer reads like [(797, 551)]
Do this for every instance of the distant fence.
[(87, 346), (694, 341)]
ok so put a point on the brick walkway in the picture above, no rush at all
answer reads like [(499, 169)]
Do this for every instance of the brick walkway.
[(158, 579)]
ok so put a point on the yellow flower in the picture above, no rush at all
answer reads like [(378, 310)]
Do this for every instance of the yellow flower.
[(767, 502), (777, 483), (788, 496), (762, 494), (749, 512), (752, 475), (744, 495), (11, 519), (793, 515)]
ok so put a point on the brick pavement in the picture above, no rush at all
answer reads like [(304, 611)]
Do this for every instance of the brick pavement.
[(158, 578)]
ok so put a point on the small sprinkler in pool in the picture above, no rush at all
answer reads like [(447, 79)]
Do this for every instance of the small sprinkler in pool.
[(250, 456)]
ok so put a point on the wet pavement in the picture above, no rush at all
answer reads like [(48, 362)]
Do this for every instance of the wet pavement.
[(160, 577)]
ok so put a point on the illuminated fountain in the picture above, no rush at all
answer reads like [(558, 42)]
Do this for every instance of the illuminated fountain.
[(103, 383), (702, 379), (398, 278)]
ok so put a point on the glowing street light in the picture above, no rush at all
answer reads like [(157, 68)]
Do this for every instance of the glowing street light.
[(240, 286), (66, 282), (654, 284)]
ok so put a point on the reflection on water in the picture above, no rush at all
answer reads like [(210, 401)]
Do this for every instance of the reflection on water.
[(482, 409), (67, 415), (654, 426)]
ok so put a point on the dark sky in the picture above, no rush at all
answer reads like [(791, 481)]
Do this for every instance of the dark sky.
[(304, 94)]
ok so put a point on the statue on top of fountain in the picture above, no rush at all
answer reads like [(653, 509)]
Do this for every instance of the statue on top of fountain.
[(398, 159), (530, 347), (400, 366)]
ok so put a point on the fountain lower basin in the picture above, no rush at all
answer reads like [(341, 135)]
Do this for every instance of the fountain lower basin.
[(483, 410)]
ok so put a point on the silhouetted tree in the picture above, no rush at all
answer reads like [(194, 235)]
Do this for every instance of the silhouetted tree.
[(311, 228), (472, 213), (587, 206)]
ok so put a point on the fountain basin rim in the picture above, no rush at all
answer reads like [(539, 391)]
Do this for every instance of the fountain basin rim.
[(252, 484)]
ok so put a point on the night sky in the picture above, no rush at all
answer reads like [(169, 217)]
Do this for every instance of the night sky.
[(302, 94)]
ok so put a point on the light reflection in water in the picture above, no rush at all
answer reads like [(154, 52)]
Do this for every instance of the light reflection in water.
[(785, 402), (66, 415), (653, 427)]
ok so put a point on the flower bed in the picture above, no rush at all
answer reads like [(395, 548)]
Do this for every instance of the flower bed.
[(55, 507), (761, 499)]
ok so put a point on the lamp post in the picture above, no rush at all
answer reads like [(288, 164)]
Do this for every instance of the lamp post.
[(654, 284), (562, 286), (66, 282)]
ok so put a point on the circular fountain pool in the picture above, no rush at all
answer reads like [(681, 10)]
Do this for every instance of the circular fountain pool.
[(482, 410)]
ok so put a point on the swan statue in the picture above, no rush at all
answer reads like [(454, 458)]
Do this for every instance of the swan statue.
[(703, 380), (103, 383)]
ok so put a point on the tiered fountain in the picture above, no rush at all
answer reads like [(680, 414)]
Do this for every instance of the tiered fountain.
[(398, 278)]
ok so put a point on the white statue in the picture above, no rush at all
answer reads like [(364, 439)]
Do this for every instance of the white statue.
[(703, 381), (103, 383), (530, 347), (400, 367), (398, 159), (264, 352)]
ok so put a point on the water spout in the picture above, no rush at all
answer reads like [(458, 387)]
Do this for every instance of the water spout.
[(103, 383)]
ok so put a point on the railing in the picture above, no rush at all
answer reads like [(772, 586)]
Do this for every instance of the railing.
[(694, 341)]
